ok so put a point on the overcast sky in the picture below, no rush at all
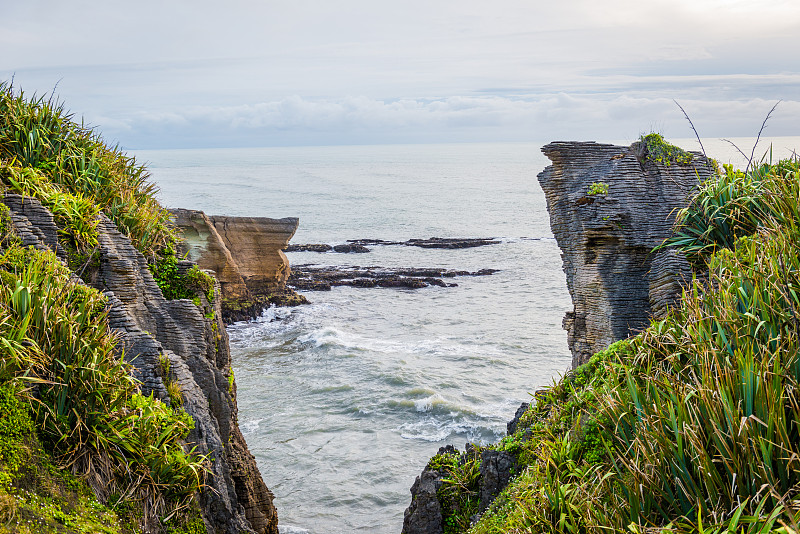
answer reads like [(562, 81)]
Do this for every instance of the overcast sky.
[(180, 73)]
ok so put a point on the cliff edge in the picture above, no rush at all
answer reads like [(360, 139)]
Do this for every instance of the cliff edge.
[(177, 341), (610, 206), (246, 255)]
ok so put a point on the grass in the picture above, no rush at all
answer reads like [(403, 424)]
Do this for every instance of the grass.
[(61, 370), (38, 134), (694, 424)]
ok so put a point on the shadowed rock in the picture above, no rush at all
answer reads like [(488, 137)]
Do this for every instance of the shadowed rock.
[(615, 280), (195, 342)]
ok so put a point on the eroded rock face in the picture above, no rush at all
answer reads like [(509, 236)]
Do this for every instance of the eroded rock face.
[(196, 344), (206, 248), (256, 244), (615, 280), (245, 253)]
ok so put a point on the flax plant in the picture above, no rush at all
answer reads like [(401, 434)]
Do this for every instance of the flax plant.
[(39, 133), (87, 405), (700, 413)]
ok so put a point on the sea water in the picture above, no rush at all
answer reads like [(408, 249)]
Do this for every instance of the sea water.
[(343, 401)]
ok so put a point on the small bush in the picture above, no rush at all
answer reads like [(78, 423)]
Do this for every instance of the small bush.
[(597, 188)]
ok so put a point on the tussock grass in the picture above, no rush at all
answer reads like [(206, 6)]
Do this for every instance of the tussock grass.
[(54, 336), (57, 352), (38, 133), (693, 425)]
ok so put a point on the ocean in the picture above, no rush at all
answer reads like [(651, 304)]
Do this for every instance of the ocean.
[(343, 401)]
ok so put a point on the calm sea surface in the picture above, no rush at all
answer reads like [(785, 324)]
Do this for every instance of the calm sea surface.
[(343, 401)]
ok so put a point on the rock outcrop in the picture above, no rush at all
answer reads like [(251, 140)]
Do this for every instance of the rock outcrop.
[(245, 253), (607, 235), (194, 341)]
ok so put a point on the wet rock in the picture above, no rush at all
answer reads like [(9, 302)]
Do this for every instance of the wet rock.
[(615, 280), (424, 514), (319, 278), (350, 248), (373, 242), (313, 247), (451, 243), (361, 245)]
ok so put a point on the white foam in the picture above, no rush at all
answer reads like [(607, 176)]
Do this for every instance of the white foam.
[(427, 404), (289, 529), (248, 427), (432, 429)]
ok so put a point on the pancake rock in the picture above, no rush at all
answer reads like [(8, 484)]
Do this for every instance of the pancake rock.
[(246, 255), (193, 339), (609, 207)]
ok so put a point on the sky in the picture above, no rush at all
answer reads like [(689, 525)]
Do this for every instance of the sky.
[(157, 74)]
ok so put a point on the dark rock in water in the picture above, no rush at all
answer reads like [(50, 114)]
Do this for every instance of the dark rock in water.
[(314, 247), (316, 278), (615, 280), (373, 242), (360, 245), (511, 426), (424, 514), (401, 281), (347, 249), (497, 468), (451, 243)]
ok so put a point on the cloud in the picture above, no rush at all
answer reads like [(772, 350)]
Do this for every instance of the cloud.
[(296, 120)]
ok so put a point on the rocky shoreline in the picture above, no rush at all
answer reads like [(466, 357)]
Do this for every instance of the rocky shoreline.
[(360, 246), (309, 277)]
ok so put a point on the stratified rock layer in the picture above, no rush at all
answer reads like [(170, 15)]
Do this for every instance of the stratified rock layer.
[(245, 253), (615, 280), (196, 344)]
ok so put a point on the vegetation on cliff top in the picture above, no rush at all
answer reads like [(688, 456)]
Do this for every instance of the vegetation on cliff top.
[(77, 439), (694, 424)]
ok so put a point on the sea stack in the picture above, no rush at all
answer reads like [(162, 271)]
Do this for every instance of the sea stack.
[(246, 255), (610, 206)]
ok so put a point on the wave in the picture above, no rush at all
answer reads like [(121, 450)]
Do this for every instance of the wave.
[(434, 429)]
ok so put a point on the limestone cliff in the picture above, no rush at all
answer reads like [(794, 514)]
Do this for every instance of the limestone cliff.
[(194, 340), (607, 233), (245, 253)]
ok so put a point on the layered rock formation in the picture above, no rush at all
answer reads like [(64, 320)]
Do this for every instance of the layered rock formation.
[(245, 253), (194, 341), (607, 233)]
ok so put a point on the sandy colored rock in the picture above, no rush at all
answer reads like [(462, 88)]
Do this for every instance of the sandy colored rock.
[(245, 252), (256, 245)]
